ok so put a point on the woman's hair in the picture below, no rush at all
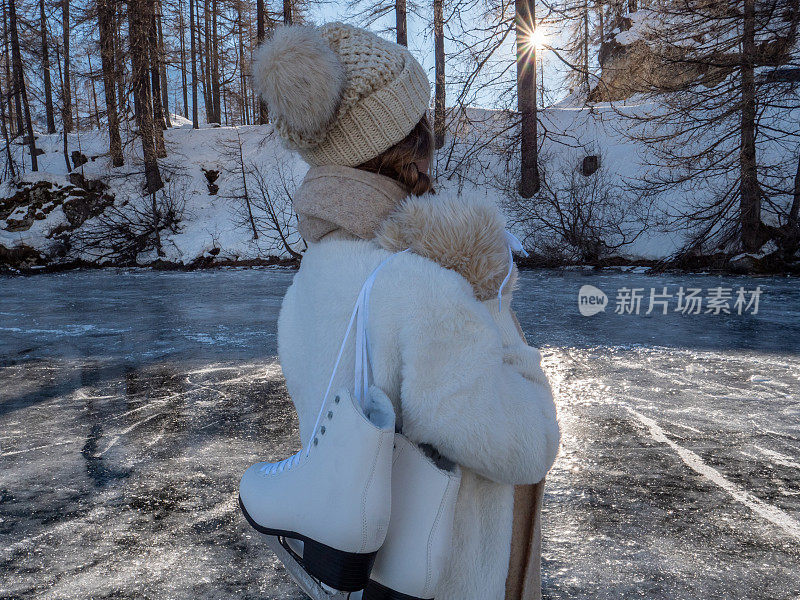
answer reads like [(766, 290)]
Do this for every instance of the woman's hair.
[(399, 161)]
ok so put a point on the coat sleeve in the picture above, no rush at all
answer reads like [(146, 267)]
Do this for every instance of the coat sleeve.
[(480, 403)]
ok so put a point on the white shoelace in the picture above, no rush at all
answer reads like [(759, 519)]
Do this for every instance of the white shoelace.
[(514, 245), (362, 368)]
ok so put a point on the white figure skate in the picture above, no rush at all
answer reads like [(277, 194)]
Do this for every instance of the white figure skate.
[(335, 498), (411, 560), (332, 499)]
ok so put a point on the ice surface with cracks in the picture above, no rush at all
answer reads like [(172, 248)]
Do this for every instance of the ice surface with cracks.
[(132, 401)]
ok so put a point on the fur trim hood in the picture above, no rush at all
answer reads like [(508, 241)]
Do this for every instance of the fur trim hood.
[(464, 233)]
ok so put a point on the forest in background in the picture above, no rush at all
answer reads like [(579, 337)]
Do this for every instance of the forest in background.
[(709, 153)]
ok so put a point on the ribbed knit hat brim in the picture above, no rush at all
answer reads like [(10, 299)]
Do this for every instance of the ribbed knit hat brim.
[(377, 122)]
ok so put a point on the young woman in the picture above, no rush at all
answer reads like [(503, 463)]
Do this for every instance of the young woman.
[(446, 351)]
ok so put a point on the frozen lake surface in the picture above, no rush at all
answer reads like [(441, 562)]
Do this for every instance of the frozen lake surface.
[(131, 402)]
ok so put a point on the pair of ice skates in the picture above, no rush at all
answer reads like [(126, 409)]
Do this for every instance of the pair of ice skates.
[(361, 507)]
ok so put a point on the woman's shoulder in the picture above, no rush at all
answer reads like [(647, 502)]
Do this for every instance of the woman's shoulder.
[(346, 259)]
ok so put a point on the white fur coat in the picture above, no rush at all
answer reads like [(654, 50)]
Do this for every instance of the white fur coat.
[(454, 365)]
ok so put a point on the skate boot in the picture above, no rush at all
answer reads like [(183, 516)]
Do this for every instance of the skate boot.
[(424, 491), (334, 496)]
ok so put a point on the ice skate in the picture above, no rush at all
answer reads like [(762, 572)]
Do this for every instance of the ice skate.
[(334, 496), (424, 491)]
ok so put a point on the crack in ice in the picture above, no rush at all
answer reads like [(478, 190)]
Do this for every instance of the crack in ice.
[(771, 513)]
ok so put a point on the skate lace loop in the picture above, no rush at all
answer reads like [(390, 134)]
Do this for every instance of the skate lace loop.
[(362, 369), (280, 467), (514, 245)]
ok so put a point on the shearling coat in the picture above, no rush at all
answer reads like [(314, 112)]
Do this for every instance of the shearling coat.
[(460, 377)]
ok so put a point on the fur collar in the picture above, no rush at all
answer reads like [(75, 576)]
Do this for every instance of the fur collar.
[(462, 233)]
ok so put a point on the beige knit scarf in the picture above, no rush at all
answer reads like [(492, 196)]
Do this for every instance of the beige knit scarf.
[(335, 198)]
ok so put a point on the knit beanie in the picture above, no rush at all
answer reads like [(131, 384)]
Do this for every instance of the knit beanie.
[(339, 94)]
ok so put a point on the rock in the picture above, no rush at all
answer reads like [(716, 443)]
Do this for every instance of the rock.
[(78, 158), (743, 263), (211, 176)]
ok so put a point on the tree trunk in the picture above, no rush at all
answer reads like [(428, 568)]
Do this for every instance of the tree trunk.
[(245, 117), (263, 113), (439, 103), (794, 213), (19, 120), (6, 137), (750, 198), (14, 126), (526, 98), (244, 187), (119, 66), (66, 89), (585, 49), (184, 89), (287, 12), (162, 70), (155, 82), (48, 88), (139, 21), (193, 51), (76, 101), (208, 100), (65, 145), (19, 78), (215, 87), (601, 26), (401, 18), (94, 90), (105, 21)]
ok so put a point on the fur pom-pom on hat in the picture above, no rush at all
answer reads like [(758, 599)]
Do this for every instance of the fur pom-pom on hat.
[(301, 79)]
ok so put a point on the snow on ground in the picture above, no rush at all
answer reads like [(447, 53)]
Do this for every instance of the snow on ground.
[(131, 401), (474, 159), (210, 221)]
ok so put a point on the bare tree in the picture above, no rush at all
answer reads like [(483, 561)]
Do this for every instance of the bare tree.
[(105, 18), (214, 58), (139, 17), (162, 66), (19, 82), (48, 89), (134, 226), (273, 205), (439, 103), (526, 98), (233, 153), (401, 20), (719, 104), (263, 113), (193, 50), (577, 217), (66, 93), (6, 138), (155, 80)]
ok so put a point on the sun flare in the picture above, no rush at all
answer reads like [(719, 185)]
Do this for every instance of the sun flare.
[(537, 38)]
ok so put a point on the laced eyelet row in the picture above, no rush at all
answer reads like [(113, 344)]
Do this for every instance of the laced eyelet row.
[(297, 458)]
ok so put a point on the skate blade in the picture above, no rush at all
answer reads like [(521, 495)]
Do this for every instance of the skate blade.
[(310, 586), (343, 571)]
